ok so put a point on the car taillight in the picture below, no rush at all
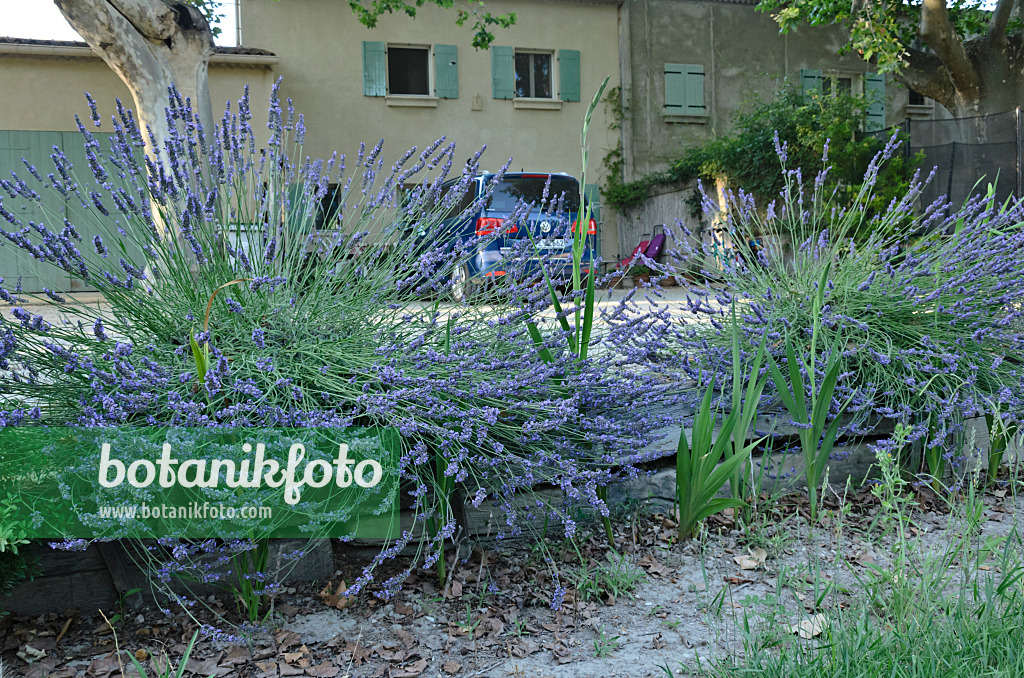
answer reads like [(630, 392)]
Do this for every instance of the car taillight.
[(591, 227), (492, 225)]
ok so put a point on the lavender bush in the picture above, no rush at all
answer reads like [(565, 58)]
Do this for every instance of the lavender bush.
[(282, 324), (926, 312)]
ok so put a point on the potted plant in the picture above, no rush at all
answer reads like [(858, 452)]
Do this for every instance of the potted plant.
[(641, 274)]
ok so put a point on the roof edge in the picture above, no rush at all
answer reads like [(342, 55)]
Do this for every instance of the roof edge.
[(80, 50)]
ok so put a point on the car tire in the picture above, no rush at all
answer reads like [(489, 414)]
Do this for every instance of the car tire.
[(461, 287)]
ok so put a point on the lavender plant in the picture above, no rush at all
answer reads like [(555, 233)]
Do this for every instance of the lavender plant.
[(310, 317), (925, 313), (577, 335)]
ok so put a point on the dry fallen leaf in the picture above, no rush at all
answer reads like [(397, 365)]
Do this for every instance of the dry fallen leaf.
[(755, 559), (286, 639), (653, 567), (810, 628), (267, 667), (451, 668), (410, 671), (31, 654), (325, 670), (338, 599), (406, 638)]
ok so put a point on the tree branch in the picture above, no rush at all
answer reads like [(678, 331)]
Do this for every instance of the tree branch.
[(110, 34), (926, 75), (151, 18), (1000, 18), (938, 32)]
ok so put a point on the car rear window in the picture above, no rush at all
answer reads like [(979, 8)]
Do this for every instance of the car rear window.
[(530, 188)]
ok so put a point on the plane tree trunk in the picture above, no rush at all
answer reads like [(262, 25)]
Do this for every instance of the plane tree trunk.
[(979, 76), (150, 44)]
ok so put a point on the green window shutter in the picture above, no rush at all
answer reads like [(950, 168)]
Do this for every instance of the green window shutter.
[(684, 89), (374, 69), (503, 72), (874, 91), (297, 217), (569, 74), (810, 81), (446, 71)]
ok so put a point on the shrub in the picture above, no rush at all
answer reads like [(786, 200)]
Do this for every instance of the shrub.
[(807, 125), (926, 311), (287, 327)]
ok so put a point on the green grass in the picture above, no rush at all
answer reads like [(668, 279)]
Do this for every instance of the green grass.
[(952, 607), (596, 581), (977, 636)]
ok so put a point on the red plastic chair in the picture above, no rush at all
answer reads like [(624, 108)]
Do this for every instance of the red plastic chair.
[(642, 247)]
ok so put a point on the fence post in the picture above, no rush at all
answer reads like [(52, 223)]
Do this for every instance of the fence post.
[(910, 140), (949, 179)]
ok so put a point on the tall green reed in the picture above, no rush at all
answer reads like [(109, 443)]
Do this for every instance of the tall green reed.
[(700, 469), (808, 401)]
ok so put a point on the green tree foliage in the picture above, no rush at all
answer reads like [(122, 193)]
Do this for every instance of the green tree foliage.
[(369, 12), (964, 54)]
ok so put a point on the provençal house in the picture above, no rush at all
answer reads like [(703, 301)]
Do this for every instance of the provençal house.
[(681, 69)]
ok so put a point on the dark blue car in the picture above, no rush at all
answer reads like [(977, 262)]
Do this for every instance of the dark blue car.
[(500, 245)]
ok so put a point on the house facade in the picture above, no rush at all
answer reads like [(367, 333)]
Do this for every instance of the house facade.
[(690, 66), (684, 69), (408, 81)]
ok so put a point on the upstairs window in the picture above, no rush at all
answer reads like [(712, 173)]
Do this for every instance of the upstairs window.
[(409, 70), (533, 75)]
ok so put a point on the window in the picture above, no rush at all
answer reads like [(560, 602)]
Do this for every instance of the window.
[(536, 74), (837, 84), (410, 71), (533, 75), (530, 188), (918, 99), (328, 212), (814, 82), (831, 83), (684, 90)]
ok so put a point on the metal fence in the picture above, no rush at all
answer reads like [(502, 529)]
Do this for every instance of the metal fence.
[(968, 154)]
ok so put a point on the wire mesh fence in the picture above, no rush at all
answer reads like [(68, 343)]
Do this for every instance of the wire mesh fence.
[(968, 154)]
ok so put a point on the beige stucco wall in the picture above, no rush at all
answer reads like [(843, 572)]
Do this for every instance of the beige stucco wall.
[(745, 58), (319, 43), (43, 93)]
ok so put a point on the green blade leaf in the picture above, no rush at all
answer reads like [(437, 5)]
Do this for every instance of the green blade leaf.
[(588, 313), (538, 341), (200, 356), (781, 386), (562, 320), (797, 382)]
